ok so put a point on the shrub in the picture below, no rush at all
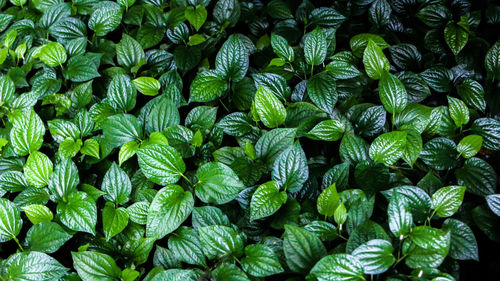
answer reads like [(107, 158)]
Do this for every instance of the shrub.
[(248, 140)]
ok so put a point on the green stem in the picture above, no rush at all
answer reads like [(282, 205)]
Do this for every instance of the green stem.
[(18, 244), (184, 177)]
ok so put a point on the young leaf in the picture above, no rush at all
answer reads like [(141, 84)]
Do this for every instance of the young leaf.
[(266, 200)]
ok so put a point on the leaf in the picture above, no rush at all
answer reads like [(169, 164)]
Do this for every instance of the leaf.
[(81, 69), (392, 93), (187, 244), (315, 47), (290, 169), (447, 200), (282, 48), (440, 154), (10, 220), (95, 266), (270, 110), (90, 148), (220, 241), (338, 267), (232, 59), (492, 61), (129, 52), (114, 220), (388, 147), (400, 219), (229, 271), (260, 261), (458, 111), (266, 200), (463, 245), (273, 142), (170, 207), (322, 91), (26, 265), (207, 86), (494, 203), (489, 129), (472, 93), (38, 169), (79, 213), (52, 54), (375, 256), (46, 237), (478, 176), (328, 130), (27, 133), (105, 18), (161, 164), (328, 201), (121, 128), (217, 183), (302, 249), (456, 36), (196, 16), (38, 213), (147, 85), (470, 145), (116, 184), (376, 64), (64, 180)]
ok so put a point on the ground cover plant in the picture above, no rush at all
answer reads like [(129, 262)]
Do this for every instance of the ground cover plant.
[(249, 140)]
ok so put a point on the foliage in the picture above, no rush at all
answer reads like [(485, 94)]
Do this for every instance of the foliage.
[(247, 140)]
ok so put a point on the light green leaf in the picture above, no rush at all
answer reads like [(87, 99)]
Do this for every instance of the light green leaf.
[(52, 54), (78, 213), (266, 200), (388, 147), (168, 210), (38, 213), (95, 266), (327, 130), (147, 85), (114, 220), (196, 16), (161, 164), (269, 108), (10, 220), (456, 35), (470, 146), (447, 200), (376, 64), (458, 111), (217, 183), (375, 256), (27, 132), (328, 201), (338, 267), (392, 93), (38, 169)]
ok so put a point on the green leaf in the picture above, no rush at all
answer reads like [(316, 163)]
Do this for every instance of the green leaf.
[(440, 154), (122, 93), (186, 243), (161, 164), (447, 200), (290, 169), (322, 91), (260, 261), (272, 143), (463, 245), (458, 111), (38, 213), (413, 147), (489, 129), (114, 220), (127, 150), (388, 147), (168, 210), (456, 36), (129, 52), (282, 48), (117, 185), (375, 256), (196, 16), (78, 213), (328, 201), (269, 108), (478, 176), (95, 266), (327, 130), (27, 133), (232, 59), (400, 217), (121, 128), (81, 69), (315, 46), (208, 86), (105, 17), (90, 148), (494, 203), (10, 220), (338, 267), (46, 237), (52, 54), (376, 64), (470, 146), (217, 183), (30, 264), (220, 241), (266, 200), (64, 180), (392, 93), (229, 271), (472, 93), (302, 249), (492, 61), (38, 169), (147, 85)]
